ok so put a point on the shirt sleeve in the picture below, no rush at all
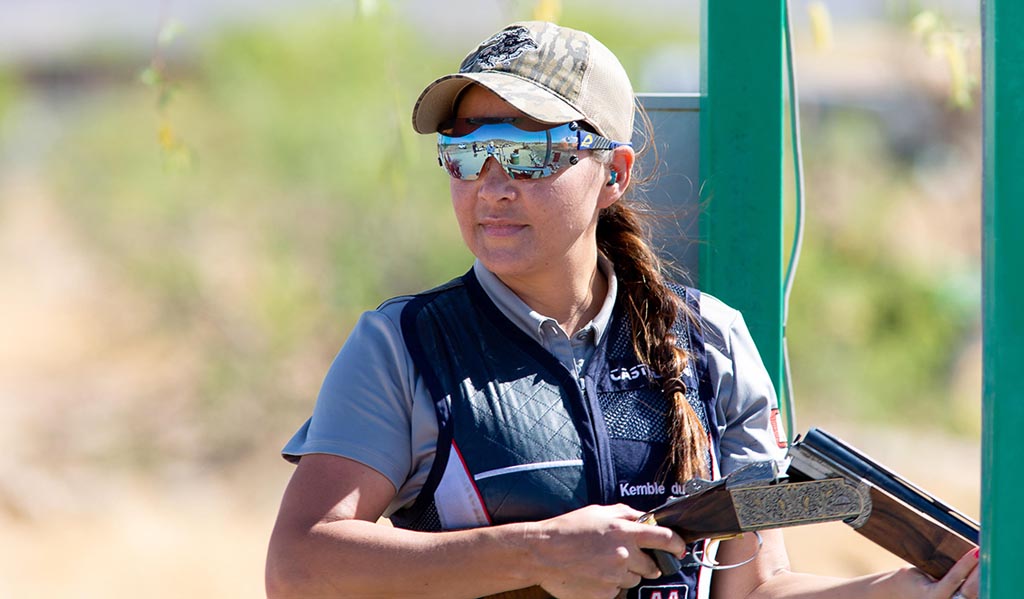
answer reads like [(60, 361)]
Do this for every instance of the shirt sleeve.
[(364, 409), (747, 406)]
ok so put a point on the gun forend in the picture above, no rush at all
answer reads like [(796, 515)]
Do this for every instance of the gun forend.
[(904, 519)]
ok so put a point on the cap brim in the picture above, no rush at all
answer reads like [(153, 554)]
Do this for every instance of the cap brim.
[(435, 104)]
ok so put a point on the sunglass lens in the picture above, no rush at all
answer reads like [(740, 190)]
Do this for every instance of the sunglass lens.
[(523, 154)]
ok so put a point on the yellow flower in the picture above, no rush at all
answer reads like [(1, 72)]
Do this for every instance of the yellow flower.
[(821, 25), (547, 10), (166, 137)]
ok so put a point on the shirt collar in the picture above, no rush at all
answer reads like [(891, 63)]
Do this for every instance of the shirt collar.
[(531, 321)]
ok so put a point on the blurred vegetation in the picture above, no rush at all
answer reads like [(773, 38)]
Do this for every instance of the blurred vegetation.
[(874, 334), (279, 191), (8, 91)]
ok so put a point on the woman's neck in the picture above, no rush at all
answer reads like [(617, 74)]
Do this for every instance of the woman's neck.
[(572, 296)]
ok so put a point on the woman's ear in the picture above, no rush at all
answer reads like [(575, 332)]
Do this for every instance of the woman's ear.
[(620, 171)]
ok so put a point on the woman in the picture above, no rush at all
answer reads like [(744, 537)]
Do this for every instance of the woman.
[(515, 423)]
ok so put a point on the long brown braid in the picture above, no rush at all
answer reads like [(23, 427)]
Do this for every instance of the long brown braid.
[(653, 308), (622, 235)]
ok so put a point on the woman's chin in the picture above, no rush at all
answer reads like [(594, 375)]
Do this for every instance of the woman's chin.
[(506, 264)]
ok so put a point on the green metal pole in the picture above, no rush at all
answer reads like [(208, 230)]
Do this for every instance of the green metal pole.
[(1002, 493), (741, 149)]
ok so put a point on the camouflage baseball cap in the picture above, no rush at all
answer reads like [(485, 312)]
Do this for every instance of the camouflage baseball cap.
[(553, 74)]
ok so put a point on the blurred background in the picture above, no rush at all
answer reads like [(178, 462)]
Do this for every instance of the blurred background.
[(198, 199)]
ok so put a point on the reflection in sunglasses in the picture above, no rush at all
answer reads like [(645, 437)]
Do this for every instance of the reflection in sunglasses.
[(523, 154)]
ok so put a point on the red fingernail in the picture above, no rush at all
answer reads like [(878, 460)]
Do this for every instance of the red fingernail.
[(977, 552)]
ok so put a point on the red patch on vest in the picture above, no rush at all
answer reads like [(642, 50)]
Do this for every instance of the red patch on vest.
[(776, 419)]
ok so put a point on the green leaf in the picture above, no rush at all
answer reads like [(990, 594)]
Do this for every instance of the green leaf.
[(170, 32), (150, 76)]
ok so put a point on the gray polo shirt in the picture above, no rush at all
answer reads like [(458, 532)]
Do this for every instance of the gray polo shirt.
[(374, 407)]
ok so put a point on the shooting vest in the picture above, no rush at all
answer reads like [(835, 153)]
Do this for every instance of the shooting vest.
[(521, 439)]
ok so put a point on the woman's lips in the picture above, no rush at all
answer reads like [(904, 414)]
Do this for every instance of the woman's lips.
[(501, 229)]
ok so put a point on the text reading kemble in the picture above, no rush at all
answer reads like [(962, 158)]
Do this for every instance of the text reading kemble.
[(649, 488)]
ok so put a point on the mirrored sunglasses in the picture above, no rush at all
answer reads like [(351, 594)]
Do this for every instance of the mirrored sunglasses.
[(524, 148)]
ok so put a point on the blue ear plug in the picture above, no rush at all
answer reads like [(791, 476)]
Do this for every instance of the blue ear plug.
[(615, 177)]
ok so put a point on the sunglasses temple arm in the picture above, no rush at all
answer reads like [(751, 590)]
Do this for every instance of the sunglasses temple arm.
[(598, 143)]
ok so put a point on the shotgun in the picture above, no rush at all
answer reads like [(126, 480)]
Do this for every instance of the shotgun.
[(826, 480)]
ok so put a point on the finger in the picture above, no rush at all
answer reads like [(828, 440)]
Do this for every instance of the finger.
[(635, 562), (971, 588), (621, 510), (629, 580), (643, 564), (660, 537), (960, 571)]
